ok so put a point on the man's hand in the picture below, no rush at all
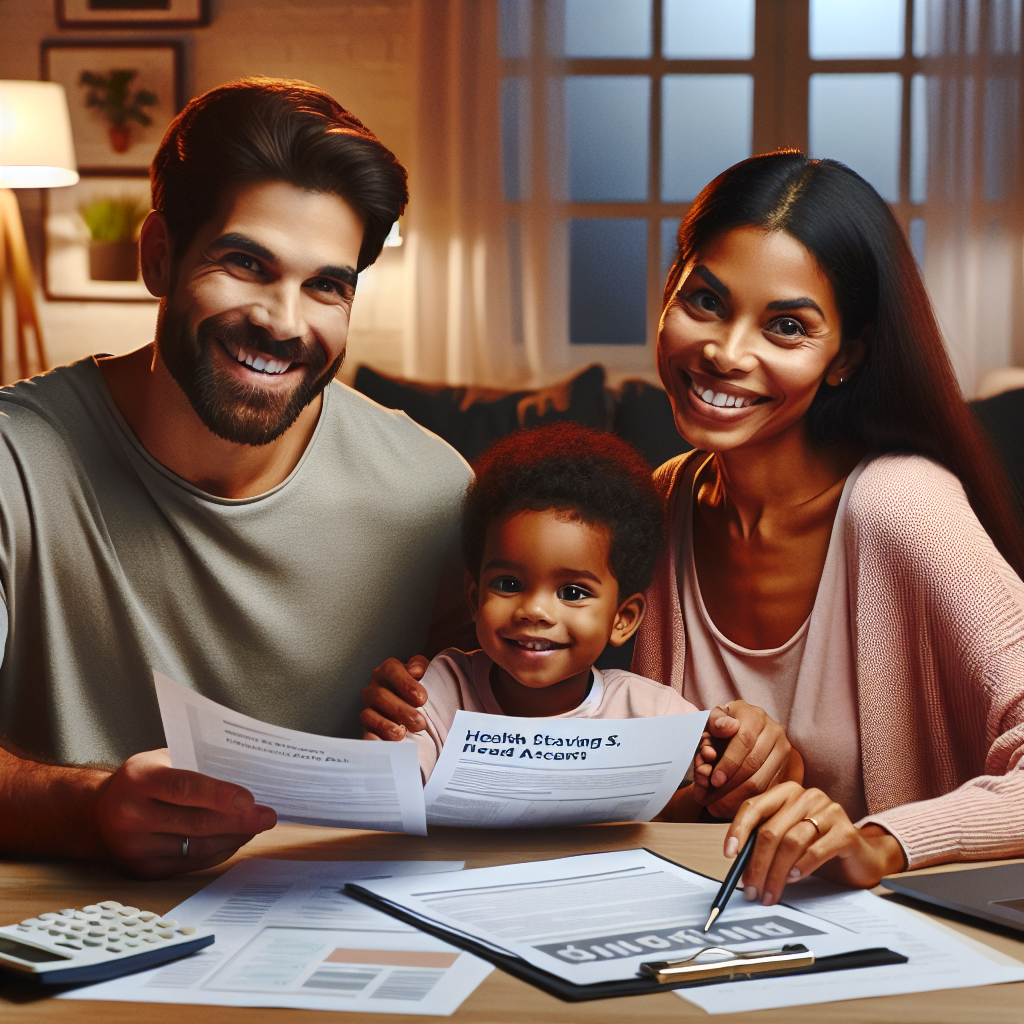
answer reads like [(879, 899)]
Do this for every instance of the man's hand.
[(146, 809), (790, 845), (391, 699), (753, 753)]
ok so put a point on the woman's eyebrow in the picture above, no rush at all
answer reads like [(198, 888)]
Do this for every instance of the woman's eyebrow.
[(804, 303), (710, 279)]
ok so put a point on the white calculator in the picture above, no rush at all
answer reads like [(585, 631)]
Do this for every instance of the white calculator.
[(103, 940)]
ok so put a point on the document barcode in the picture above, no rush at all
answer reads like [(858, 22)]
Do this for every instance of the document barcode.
[(409, 985), (342, 980), (248, 904)]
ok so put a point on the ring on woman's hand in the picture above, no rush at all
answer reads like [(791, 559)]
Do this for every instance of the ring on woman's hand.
[(811, 820), (184, 847)]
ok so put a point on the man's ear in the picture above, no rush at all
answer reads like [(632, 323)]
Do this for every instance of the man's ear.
[(627, 619), (849, 358), (155, 255), (472, 594)]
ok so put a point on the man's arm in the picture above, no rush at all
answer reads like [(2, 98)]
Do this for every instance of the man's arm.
[(137, 816)]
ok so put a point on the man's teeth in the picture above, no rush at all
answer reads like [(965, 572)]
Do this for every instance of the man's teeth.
[(720, 398), (257, 361)]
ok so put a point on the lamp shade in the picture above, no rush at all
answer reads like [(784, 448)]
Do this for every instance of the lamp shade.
[(36, 148)]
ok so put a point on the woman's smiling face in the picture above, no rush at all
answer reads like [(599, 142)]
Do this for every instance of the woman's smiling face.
[(746, 341)]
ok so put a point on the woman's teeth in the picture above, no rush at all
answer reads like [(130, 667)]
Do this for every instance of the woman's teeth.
[(256, 360), (536, 645), (719, 398)]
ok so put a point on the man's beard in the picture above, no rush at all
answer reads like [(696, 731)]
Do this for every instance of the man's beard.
[(243, 414)]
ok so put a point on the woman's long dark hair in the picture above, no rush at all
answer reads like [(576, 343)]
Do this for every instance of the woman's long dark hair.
[(904, 396)]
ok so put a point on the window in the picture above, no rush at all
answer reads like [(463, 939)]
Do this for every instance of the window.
[(615, 113)]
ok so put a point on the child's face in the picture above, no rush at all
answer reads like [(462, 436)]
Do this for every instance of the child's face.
[(547, 602)]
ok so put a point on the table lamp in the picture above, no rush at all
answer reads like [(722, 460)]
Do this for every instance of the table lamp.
[(36, 151)]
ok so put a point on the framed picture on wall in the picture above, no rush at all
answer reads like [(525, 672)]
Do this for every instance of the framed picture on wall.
[(122, 96), (133, 13), (92, 230)]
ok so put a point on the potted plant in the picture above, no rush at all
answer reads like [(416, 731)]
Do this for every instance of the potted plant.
[(113, 224), (111, 94)]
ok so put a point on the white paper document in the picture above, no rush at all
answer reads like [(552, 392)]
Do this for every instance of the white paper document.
[(939, 957), (598, 917), (287, 936), (307, 779), (504, 772)]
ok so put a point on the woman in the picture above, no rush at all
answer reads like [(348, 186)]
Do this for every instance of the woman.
[(844, 553)]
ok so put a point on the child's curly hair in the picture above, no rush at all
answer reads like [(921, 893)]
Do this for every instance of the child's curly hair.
[(590, 475)]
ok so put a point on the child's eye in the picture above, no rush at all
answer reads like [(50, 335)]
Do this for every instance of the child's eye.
[(506, 585), (573, 593)]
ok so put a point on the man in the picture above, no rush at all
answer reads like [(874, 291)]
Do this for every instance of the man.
[(212, 505)]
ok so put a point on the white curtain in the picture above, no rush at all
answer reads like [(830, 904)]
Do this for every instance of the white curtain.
[(967, 172)]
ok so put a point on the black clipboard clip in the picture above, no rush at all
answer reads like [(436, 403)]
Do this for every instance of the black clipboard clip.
[(719, 963)]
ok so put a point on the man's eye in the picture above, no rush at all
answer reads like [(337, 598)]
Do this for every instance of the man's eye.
[(506, 585), (244, 261), (328, 286), (573, 593)]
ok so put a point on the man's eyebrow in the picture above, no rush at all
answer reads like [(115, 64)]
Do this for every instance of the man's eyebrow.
[(346, 274), (233, 240), (711, 280), (804, 303), (501, 563)]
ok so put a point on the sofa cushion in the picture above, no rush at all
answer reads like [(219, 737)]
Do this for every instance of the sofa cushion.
[(1002, 416), (470, 419), (643, 417)]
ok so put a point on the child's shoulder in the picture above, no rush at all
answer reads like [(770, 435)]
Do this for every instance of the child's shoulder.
[(633, 696)]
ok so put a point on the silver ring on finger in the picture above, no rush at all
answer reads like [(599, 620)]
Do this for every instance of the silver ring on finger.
[(184, 847), (817, 827)]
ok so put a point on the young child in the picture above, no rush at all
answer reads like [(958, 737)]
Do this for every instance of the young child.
[(561, 531)]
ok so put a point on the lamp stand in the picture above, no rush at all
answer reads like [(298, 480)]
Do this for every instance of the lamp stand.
[(14, 257)]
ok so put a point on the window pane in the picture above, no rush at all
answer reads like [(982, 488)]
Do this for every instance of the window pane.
[(999, 144), (669, 230), (514, 28), (917, 241), (1004, 26), (856, 28), (608, 281), (607, 132), (515, 138), (607, 28), (918, 139), (707, 124), (515, 280), (722, 30), (856, 119)]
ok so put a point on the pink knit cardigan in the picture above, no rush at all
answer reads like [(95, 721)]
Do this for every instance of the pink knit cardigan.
[(937, 617)]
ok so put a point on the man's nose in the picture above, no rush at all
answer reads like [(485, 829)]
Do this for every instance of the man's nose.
[(279, 313)]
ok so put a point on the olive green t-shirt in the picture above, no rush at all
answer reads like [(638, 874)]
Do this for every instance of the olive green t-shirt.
[(277, 606)]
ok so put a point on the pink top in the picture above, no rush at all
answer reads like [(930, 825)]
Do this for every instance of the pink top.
[(455, 681), (808, 685), (935, 623)]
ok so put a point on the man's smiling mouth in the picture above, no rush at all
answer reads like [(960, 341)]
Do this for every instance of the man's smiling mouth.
[(258, 361)]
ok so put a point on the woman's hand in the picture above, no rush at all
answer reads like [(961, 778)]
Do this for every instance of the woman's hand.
[(391, 699), (751, 754), (790, 846)]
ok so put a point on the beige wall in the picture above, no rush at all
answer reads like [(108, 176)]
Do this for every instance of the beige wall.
[(360, 51)]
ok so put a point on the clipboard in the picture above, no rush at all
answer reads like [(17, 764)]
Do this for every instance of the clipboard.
[(570, 992)]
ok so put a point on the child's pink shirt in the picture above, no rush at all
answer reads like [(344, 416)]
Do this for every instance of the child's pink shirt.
[(455, 680)]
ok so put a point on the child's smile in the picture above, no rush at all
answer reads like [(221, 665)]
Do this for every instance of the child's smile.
[(545, 606)]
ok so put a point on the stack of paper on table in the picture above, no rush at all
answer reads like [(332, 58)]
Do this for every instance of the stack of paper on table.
[(287, 936)]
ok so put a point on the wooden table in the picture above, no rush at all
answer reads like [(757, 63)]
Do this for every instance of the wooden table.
[(27, 889)]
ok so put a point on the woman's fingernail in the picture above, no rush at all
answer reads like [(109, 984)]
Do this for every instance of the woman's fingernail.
[(732, 844), (794, 874), (750, 893), (719, 778), (768, 899)]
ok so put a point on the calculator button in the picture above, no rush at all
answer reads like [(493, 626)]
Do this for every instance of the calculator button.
[(150, 938), (56, 931), (24, 928), (109, 905), (128, 911), (187, 929), (146, 915), (131, 933), (69, 945), (115, 949), (30, 921), (131, 942), (108, 915), (91, 909), (81, 915), (78, 926), (130, 922), (89, 941), (48, 917), (67, 912), (166, 934), (97, 933)]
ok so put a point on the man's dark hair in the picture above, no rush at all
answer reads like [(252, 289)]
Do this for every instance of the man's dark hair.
[(271, 129), (589, 475)]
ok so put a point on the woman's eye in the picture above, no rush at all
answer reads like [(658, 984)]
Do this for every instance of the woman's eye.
[(788, 327), (506, 585), (706, 302), (573, 593)]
